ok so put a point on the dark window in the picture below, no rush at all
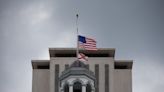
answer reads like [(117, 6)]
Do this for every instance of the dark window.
[(66, 88), (66, 66), (106, 78), (88, 88), (74, 55), (43, 67), (97, 76), (97, 55), (56, 77), (121, 67), (65, 55), (77, 87)]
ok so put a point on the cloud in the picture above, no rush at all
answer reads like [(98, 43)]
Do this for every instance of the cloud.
[(35, 13), (29, 27)]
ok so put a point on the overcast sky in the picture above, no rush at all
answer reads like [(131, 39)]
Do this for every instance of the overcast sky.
[(29, 27)]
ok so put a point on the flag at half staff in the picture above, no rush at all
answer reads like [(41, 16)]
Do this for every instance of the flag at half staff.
[(86, 43), (82, 57)]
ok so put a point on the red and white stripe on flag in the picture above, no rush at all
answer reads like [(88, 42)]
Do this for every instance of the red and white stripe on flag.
[(82, 57), (90, 44)]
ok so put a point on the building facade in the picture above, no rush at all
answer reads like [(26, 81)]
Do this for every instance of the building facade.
[(64, 73)]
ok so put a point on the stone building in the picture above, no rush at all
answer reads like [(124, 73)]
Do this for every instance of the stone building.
[(64, 73)]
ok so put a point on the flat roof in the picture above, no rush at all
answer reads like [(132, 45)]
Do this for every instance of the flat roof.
[(35, 63), (123, 63), (71, 52)]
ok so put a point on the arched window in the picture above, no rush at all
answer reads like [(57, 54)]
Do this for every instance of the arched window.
[(88, 88), (77, 87), (66, 88)]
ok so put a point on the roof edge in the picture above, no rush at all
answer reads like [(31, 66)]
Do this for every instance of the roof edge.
[(110, 52), (123, 63), (35, 63)]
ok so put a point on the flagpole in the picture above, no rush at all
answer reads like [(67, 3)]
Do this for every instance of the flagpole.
[(77, 49)]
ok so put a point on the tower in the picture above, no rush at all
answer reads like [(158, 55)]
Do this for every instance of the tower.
[(64, 73)]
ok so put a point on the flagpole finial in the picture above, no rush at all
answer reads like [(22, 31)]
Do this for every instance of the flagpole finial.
[(77, 15)]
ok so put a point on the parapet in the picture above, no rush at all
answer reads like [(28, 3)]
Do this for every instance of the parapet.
[(40, 64), (123, 64), (71, 52)]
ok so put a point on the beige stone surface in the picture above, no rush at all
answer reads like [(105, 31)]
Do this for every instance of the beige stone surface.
[(40, 82), (91, 61), (122, 80)]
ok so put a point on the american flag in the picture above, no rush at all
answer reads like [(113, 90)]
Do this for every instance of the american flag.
[(87, 43)]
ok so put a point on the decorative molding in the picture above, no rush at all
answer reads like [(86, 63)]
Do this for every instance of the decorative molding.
[(78, 80)]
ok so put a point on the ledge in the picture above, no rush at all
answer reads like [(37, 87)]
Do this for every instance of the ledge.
[(123, 64), (40, 64), (71, 52)]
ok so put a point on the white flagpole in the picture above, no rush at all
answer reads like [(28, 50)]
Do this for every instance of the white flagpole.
[(77, 50)]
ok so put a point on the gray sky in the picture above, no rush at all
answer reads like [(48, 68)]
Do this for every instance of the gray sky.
[(29, 27)]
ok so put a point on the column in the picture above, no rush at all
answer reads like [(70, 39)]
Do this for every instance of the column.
[(83, 88), (70, 88)]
